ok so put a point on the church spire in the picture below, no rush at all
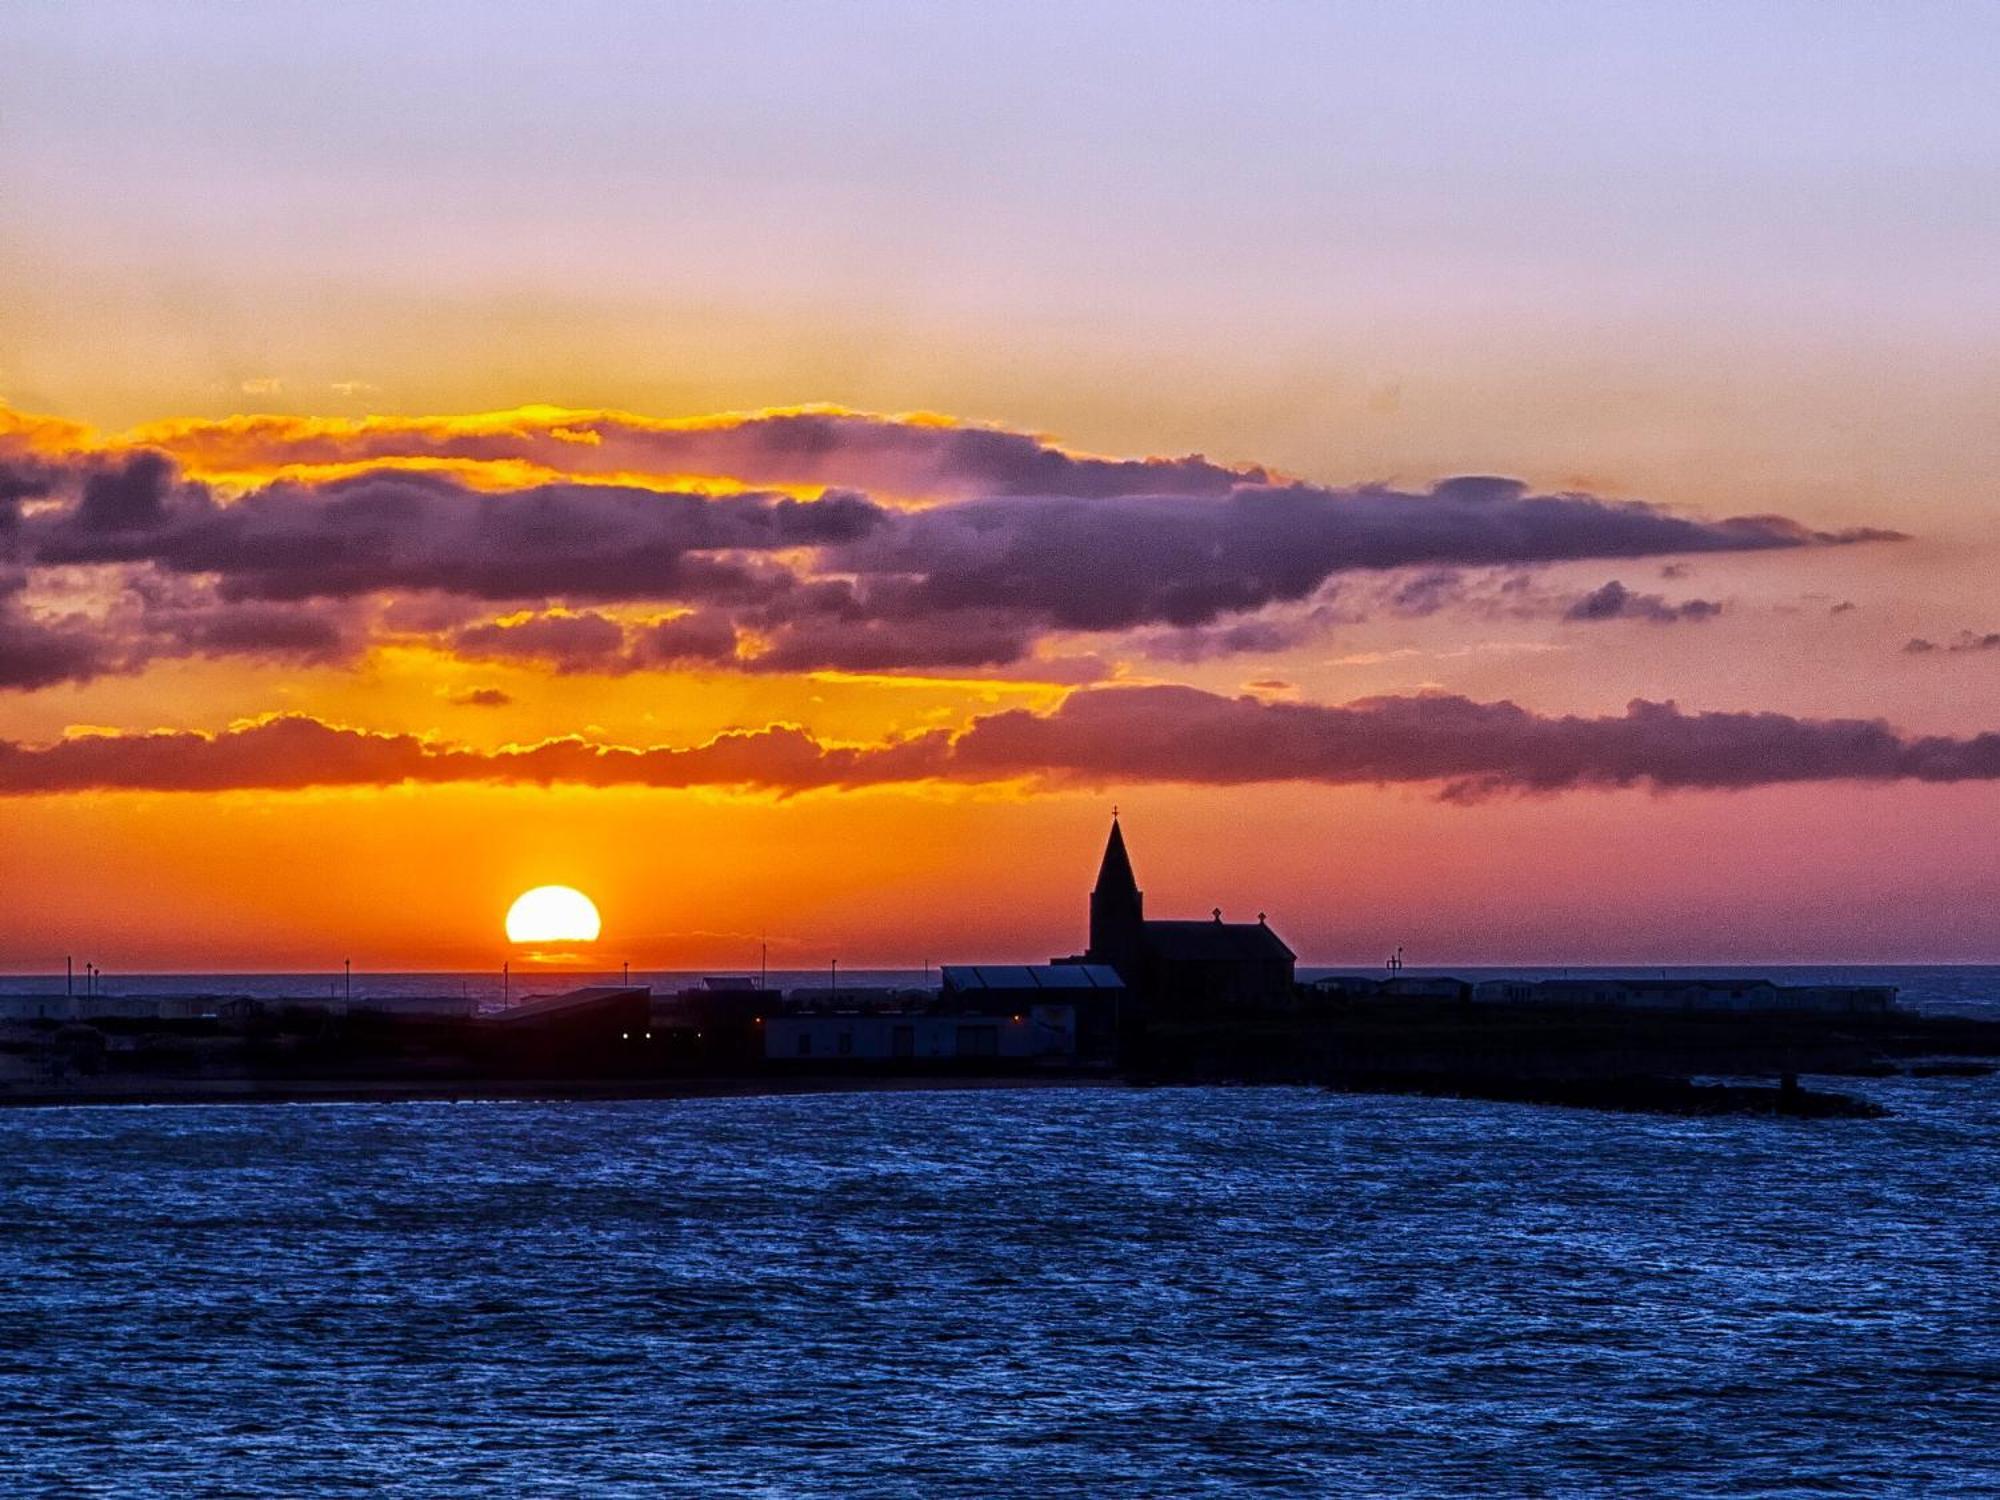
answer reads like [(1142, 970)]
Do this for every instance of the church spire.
[(1114, 874), (1117, 910)]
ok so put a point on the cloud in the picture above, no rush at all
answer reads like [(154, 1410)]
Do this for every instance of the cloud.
[(400, 531), (920, 455), (1613, 601), (592, 642), (38, 653), (698, 638), (789, 637), (1965, 640), (1257, 635), (1516, 593), (479, 697), (131, 497), (1178, 561), (1018, 540), (567, 642), (1098, 736), (1114, 563), (879, 635), (171, 617), (22, 478), (263, 630), (1472, 749), (291, 752)]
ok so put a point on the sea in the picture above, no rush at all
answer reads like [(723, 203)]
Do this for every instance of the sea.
[(1087, 1291)]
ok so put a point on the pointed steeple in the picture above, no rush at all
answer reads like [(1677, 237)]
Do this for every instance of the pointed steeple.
[(1114, 873), (1117, 910)]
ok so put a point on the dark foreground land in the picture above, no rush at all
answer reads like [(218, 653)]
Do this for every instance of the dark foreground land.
[(1609, 1059), (1664, 1062)]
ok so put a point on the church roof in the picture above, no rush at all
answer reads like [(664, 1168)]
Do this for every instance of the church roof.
[(1215, 942), (1013, 977), (1115, 873)]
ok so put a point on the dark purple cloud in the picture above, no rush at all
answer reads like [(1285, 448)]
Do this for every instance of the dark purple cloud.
[(188, 623), (22, 478), (1246, 637), (158, 619), (37, 653), (942, 639), (1113, 563), (401, 531), (699, 638), (587, 642), (844, 582), (132, 497), (1613, 601), (1178, 561)]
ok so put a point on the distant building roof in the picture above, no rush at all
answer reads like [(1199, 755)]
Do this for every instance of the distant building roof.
[(571, 1003), (1016, 977), (1216, 942), (1663, 986)]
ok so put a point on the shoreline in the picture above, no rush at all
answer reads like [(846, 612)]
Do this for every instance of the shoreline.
[(1618, 1062), (1680, 1097), (157, 1092)]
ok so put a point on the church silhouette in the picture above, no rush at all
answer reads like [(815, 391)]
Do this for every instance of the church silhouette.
[(1184, 967)]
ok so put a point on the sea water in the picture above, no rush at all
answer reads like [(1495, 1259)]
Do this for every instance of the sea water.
[(1011, 1291)]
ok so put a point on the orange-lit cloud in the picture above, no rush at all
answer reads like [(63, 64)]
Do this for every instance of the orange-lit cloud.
[(1098, 736)]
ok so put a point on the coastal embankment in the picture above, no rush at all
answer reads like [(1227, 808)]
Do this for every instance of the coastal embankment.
[(1667, 1062)]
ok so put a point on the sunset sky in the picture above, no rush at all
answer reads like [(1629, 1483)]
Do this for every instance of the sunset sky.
[(1512, 481)]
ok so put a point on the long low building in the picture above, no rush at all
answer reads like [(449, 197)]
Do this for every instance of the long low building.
[(38, 1008), (603, 1008), (88, 1008), (1760, 995), (1038, 1032)]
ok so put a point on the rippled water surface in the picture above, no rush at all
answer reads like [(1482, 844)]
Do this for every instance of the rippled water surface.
[(1091, 1291)]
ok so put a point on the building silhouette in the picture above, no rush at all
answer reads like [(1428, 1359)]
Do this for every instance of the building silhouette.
[(1181, 966)]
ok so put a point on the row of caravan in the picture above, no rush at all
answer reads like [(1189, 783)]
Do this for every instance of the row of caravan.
[(1662, 994)]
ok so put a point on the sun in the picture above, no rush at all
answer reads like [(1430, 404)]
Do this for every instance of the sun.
[(552, 914)]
